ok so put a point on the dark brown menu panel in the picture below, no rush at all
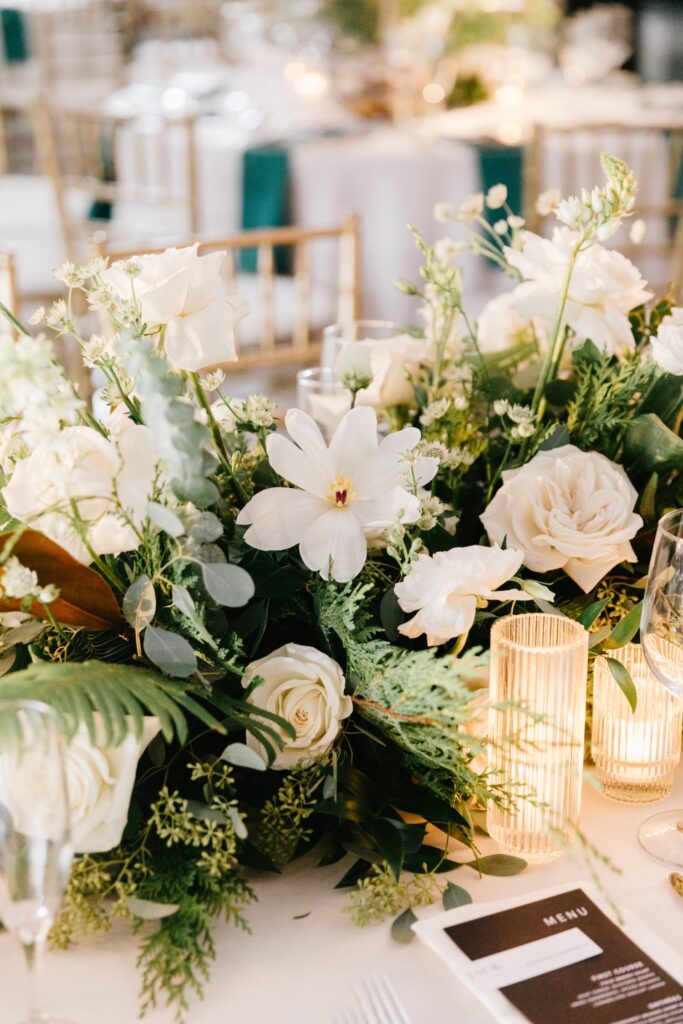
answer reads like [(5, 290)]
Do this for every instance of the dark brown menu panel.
[(621, 985)]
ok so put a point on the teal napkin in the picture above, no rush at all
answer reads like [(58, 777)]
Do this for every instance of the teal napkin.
[(14, 39), (265, 199), (504, 164), (103, 209)]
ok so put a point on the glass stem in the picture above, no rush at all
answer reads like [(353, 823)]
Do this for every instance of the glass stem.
[(34, 961)]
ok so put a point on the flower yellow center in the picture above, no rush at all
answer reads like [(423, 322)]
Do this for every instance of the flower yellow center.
[(341, 492)]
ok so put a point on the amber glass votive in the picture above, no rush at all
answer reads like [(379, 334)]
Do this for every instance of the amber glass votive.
[(539, 667), (635, 752)]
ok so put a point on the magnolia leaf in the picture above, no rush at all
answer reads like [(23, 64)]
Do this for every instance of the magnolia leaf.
[(652, 446), (243, 756), (165, 519), (149, 910), (497, 864), (624, 681), (140, 604), (455, 896), (228, 584), (169, 652), (206, 528), (85, 599), (625, 630), (182, 599), (402, 927)]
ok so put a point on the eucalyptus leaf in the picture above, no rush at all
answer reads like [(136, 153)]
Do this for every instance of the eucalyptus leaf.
[(182, 600), (169, 652), (624, 681), (26, 633), (165, 519), (206, 528), (455, 896), (139, 604), (498, 864), (205, 813), (228, 584), (149, 910), (243, 756), (238, 823), (402, 926)]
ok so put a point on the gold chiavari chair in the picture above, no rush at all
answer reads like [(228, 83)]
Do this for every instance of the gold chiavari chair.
[(568, 158), (82, 152), (80, 43), (8, 290), (175, 19), (287, 313)]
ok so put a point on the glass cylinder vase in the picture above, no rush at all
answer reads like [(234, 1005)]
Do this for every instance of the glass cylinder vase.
[(635, 752), (323, 397), (539, 667)]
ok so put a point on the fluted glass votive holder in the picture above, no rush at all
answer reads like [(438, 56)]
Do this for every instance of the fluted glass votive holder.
[(635, 752), (323, 397), (539, 669)]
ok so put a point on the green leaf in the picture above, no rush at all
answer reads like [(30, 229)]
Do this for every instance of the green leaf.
[(391, 615), (402, 927), (149, 910), (624, 681), (169, 652), (228, 584), (139, 604), (243, 756), (652, 446), (625, 630), (497, 864), (206, 528), (455, 896), (182, 600), (590, 614), (389, 843), (560, 435), (165, 519)]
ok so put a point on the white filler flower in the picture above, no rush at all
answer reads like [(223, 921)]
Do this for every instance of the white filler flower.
[(446, 589), (567, 509), (306, 688), (667, 345), (341, 494), (178, 289)]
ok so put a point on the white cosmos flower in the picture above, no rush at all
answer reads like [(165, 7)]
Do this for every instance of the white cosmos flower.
[(306, 688), (100, 476), (178, 289), (567, 509), (667, 345), (604, 288), (446, 589), (341, 494)]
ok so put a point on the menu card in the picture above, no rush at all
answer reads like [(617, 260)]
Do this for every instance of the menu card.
[(560, 957)]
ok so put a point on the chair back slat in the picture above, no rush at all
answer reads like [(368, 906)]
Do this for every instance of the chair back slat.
[(302, 279), (266, 273), (8, 290)]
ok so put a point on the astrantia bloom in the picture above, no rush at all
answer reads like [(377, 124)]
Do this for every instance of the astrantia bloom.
[(604, 288), (341, 494), (446, 589), (667, 345)]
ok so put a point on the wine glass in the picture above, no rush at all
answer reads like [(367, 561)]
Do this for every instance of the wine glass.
[(661, 636), (35, 849)]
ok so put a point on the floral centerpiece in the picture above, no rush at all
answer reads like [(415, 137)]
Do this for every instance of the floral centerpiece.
[(262, 643)]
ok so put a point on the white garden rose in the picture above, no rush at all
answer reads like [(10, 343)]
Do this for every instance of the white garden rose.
[(604, 288), (179, 289), (394, 361), (78, 465), (306, 688), (445, 589), (567, 509), (667, 345), (501, 326)]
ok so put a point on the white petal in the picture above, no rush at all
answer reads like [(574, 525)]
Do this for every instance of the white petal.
[(305, 432), (336, 536), (354, 443), (279, 516), (204, 338), (295, 466)]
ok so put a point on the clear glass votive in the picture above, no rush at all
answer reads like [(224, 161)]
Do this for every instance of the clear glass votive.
[(323, 397), (337, 335), (539, 669), (635, 753)]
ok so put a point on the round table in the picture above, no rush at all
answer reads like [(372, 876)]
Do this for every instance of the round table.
[(297, 969)]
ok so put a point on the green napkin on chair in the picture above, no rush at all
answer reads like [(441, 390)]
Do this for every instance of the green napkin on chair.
[(14, 41), (505, 165), (265, 199)]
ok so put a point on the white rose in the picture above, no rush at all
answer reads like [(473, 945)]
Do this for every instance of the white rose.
[(99, 785), (446, 589), (567, 509), (177, 289), (604, 288), (80, 465), (306, 688), (667, 345), (353, 366), (394, 361), (501, 326)]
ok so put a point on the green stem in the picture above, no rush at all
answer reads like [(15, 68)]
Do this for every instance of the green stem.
[(497, 475), (217, 436)]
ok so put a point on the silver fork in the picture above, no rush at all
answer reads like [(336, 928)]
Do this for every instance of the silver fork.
[(377, 1002)]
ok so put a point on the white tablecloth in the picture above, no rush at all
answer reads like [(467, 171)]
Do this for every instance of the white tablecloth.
[(300, 970)]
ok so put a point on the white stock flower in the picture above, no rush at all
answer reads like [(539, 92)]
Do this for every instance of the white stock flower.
[(667, 345), (496, 197), (34, 391), (548, 201), (306, 688), (341, 495), (16, 580), (99, 476), (446, 589), (604, 288), (567, 509), (447, 249), (177, 289)]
